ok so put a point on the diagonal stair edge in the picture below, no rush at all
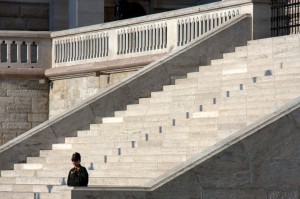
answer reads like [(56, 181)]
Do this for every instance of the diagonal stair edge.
[(151, 78)]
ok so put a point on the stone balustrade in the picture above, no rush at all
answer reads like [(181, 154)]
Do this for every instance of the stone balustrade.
[(148, 35), (20, 49), (143, 36)]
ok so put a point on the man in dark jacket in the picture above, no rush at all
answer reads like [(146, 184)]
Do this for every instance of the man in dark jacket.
[(78, 176)]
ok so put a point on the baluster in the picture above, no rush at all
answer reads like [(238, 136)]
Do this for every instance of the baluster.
[(80, 48), (147, 39), (75, 48), (197, 27), (161, 36), (182, 33), (158, 31), (55, 51), (205, 25), (63, 51), (189, 31), (107, 43), (13, 52), (124, 41), (18, 52), (96, 46), (119, 43), (151, 37), (89, 53), (201, 26), (104, 44), (140, 40), (208, 23), (29, 51), (71, 49), (58, 52), (101, 45), (93, 47), (137, 40), (217, 20), (85, 48), (34, 52), (166, 35), (155, 37), (67, 51), (23, 52), (131, 40), (186, 31), (193, 30), (4, 52), (178, 33)]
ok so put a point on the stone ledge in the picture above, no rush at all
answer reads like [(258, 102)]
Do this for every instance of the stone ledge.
[(27, 1), (24, 34), (104, 67), (22, 73)]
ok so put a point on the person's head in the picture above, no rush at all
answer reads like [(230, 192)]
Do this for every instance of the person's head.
[(76, 158)]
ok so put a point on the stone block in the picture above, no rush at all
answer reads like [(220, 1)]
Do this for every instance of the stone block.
[(9, 9), (40, 105), (34, 10), (12, 108), (38, 24), (37, 118), (3, 93), (27, 93), (13, 24), (6, 117), (25, 126), (35, 85), (22, 101), (6, 100)]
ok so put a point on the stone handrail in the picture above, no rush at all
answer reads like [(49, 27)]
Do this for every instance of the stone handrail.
[(24, 49), (154, 34)]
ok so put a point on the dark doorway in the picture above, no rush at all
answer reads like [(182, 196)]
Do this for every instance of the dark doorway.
[(126, 10)]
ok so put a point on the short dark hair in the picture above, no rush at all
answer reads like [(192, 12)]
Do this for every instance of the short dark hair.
[(76, 156)]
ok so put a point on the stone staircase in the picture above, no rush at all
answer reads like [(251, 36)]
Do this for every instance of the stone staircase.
[(160, 132)]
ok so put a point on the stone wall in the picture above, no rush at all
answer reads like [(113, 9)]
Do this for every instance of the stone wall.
[(24, 105), (24, 16), (69, 92)]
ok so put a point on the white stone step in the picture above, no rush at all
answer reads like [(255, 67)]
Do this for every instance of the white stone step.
[(28, 166), (112, 120), (22, 188), (29, 195), (118, 181)]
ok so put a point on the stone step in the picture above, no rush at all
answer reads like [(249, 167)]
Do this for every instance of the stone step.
[(118, 181), (55, 181), (275, 40), (22, 195), (257, 59), (109, 120), (22, 188), (269, 51), (27, 166)]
